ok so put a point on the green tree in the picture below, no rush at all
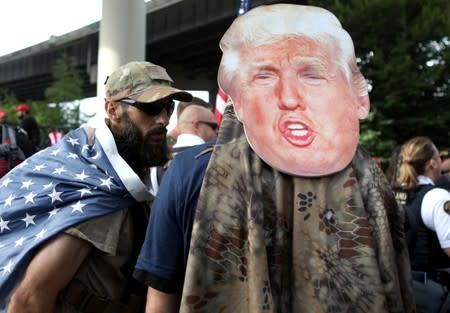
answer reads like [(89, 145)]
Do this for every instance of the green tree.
[(8, 101), (403, 50), (63, 96)]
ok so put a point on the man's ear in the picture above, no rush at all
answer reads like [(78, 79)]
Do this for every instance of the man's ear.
[(363, 107), (362, 94), (112, 110), (196, 126)]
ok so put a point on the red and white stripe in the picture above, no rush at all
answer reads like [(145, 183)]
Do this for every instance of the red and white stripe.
[(55, 137), (221, 102)]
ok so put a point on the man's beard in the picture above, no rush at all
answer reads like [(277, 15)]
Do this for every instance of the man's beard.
[(140, 152)]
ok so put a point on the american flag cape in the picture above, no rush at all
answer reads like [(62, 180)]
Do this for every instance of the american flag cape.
[(81, 177)]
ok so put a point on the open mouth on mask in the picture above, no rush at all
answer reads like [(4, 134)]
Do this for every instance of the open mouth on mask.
[(297, 133)]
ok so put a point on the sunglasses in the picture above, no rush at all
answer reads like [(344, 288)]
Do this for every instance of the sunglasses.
[(151, 108), (213, 125)]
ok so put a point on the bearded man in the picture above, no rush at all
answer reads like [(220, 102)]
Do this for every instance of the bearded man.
[(72, 215)]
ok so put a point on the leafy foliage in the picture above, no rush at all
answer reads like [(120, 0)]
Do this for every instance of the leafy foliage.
[(61, 109), (8, 101), (403, 50), (66, 87)]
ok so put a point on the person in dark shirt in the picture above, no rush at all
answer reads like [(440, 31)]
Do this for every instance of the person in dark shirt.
[(162, 262), (428, 213), (15, 145), (29, 124)]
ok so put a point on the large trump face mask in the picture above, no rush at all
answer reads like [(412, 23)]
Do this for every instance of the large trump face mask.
[(291, 73)]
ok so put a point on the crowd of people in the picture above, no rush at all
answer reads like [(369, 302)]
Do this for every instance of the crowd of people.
[(277, 210), (22, 140), (17, 142), (422, 187)]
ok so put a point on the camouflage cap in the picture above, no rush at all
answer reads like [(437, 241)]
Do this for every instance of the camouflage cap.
[(143, 82)]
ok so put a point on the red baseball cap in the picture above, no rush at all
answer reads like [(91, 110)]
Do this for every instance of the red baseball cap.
[(2, 114), (22, 108)]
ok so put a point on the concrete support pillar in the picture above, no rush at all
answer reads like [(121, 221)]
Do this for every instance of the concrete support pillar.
[(122, 38)]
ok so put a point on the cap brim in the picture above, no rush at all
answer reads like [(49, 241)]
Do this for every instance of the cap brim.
[(157, 93)]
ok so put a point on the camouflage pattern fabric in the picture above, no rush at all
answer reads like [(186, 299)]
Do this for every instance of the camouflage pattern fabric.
[(264, 241), (142, 81)]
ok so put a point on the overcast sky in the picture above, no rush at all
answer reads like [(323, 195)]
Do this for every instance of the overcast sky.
[(24, 23)]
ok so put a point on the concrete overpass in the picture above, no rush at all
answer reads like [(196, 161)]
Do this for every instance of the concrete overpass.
[(182, 35)]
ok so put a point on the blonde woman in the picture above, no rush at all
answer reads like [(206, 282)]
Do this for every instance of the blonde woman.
[(428, 211)]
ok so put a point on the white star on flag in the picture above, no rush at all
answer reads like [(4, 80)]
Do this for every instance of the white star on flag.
[(78, 207), (29, 219), (49, 185), (53, 212), (40, 235), (106, 182), (59, 170), (27, 184), (39, 167), (8, 201), (73, 141), (72, 156), (19, 242), (55, 195), (3, 225), (84, 191), (6, 182), (81, 176), (55, 152), (7, 268), (29, 198)]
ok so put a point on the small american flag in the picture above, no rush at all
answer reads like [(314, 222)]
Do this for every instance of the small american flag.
[(222, 98), (65, 184), (221, 102)]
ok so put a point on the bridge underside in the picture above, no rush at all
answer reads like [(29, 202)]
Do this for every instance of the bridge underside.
[(183, 37)]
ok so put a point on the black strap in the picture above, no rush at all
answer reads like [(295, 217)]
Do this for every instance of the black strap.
[(160, 170), (439, 276), (179, 149)]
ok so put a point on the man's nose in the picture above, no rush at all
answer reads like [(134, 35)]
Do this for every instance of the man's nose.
[(163, 118), (290, 94)]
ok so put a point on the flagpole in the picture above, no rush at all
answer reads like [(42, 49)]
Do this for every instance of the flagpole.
[(245, 6), (221, 98)]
